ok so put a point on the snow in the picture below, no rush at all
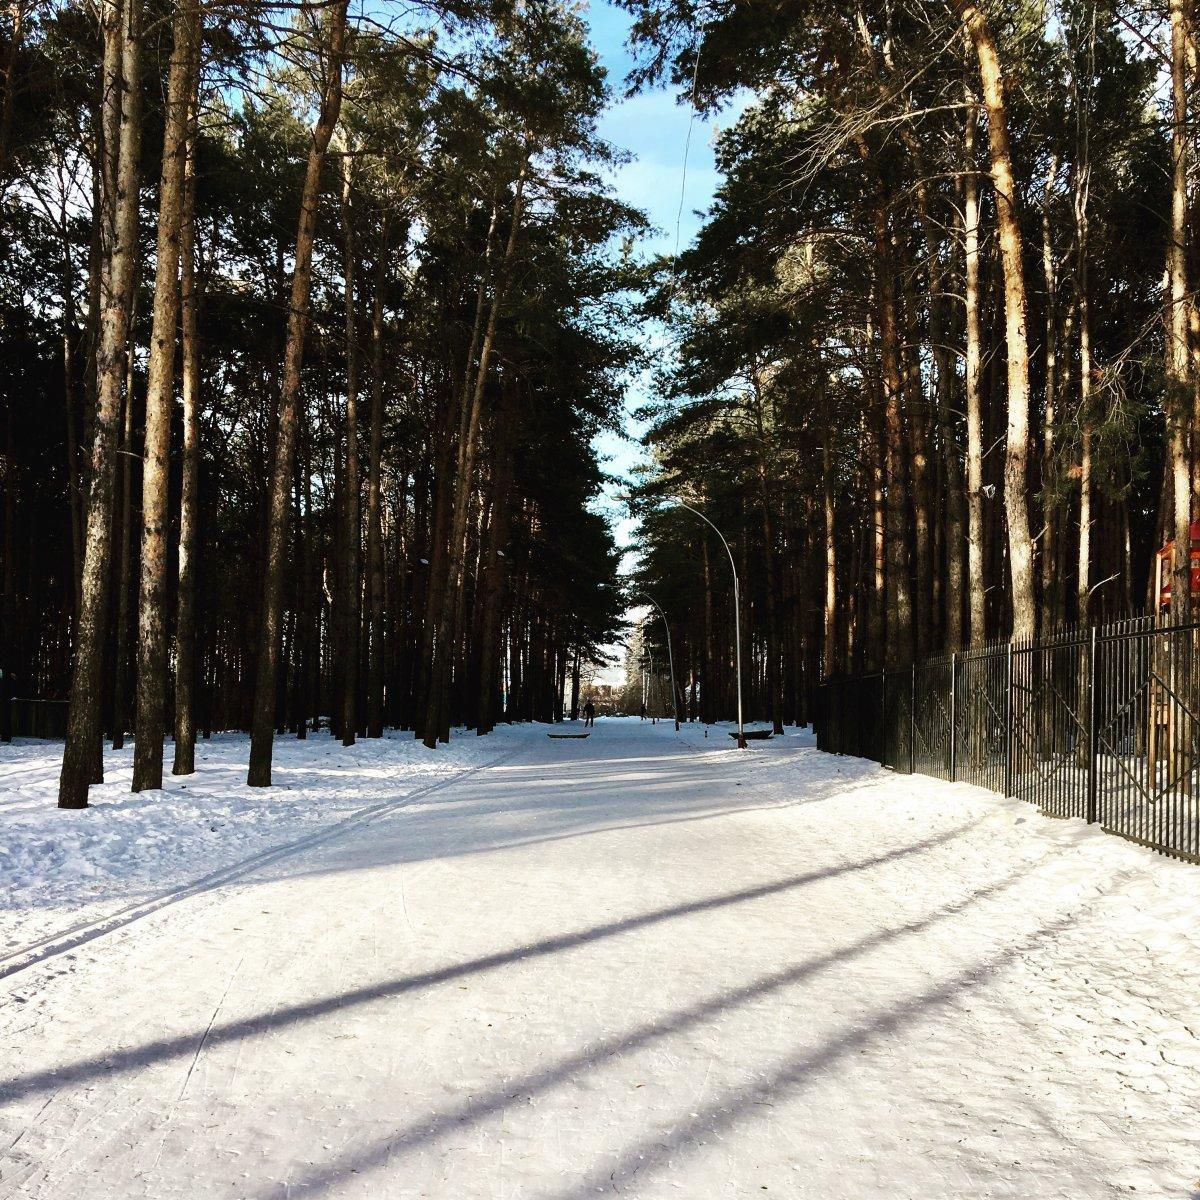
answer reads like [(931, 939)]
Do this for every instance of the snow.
[(646, 964), (59, 869)]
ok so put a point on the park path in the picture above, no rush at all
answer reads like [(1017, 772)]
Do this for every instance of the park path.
[(645, 964)]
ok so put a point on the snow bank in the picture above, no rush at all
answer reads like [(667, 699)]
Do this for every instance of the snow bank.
[(57, 868)]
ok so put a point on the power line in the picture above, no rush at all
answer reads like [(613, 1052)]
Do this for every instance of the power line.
[(687, 148)]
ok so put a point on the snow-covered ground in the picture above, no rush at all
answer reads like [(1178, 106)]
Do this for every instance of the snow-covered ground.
[(645, 964), (59, 870)]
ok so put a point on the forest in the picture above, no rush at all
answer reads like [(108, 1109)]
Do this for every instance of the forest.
[(936, 349), (309, 321)]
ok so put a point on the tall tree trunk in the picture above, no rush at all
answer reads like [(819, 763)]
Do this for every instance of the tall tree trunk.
[(263, 732), (495, 570), (124, 581), (1051, 584), (1016, 456), (71, 402), (1086, 416), (708, 682), (829, 647), (943, 383), (976, 590), (898, 645), (774, 654), (189, 516), (16, 36), (160, 403), (876, 548), (351, 522), (1179, 406), (375, 566), (123, 120), (918, 474), (468, 437)]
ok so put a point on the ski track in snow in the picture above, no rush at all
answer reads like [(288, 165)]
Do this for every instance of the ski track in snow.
[(645, 965)]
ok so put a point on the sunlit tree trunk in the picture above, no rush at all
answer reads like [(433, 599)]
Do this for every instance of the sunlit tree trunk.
[(119, 213), (1086, 416), (1051, 584), (1016, 457), (829, 646), (160, 402), (973, 368), (1179, 404)]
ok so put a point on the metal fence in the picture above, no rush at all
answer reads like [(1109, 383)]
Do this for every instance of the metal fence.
[(1100, 723)]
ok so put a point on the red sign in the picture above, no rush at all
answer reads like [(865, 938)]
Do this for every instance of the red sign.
[(1165, 567)]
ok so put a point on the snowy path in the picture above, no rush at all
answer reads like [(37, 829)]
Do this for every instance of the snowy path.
[(640, 965)]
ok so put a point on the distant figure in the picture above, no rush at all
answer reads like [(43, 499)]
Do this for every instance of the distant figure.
[(642, 712), (589, 714)]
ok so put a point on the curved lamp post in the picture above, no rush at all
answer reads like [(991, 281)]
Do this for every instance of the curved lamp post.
[(737, 617), (670, 656)]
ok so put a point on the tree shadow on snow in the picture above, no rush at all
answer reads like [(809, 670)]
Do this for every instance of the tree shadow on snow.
[(656, 1151), (125, 1061), (527, 805)]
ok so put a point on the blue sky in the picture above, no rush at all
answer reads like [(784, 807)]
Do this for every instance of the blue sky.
[(653, 127)]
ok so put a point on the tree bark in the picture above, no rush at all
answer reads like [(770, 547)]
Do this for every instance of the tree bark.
[(976, 590), (1084, 564), (1178, 350), (943, 383), (829, 648), (1016, 457), (160, 402), (495, 570), (119, 190), (189, 516), (124, 581), (351, 516), (898, 644), (262, 733), (1051, 584), (375, 566), (773, 680)]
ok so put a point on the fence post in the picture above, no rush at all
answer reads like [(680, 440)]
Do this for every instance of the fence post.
[(953, 717), (912, 722), (1008, 723), (1092, 807)]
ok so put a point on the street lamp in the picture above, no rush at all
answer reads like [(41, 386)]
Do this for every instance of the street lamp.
[(670, 655), (737, 617)]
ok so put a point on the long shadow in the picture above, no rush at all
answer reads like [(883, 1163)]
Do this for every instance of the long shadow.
[(452, 827), (445, 839), (438, 830), (124, 1061), (518, 1091), (719, 1116)]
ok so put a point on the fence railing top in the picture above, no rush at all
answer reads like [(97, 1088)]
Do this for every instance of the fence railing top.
[(1064, 636)]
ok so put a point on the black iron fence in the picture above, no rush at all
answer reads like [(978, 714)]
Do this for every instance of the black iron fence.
[(1100, 723)]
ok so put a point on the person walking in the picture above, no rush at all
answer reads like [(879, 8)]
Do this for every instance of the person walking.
[(589, 715)]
